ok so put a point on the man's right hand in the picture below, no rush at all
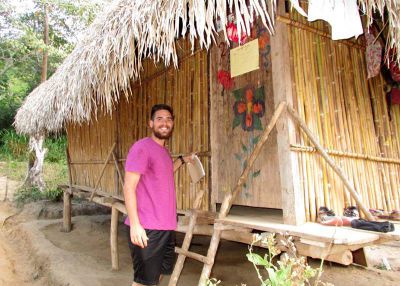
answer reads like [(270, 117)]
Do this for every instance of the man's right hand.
[(138, 235)]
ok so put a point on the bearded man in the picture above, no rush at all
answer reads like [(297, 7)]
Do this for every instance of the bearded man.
[(150, 200)]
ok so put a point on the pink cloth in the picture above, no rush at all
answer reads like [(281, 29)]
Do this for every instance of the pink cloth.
[(155, 193)]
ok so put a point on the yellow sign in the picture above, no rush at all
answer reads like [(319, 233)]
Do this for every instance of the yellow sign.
[(245, 58)]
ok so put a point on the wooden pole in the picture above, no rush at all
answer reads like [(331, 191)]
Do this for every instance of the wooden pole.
[(331, 163), (120, 178), (186, 241), (67, 211), (212, 251), (114, 239), (102, 171), (67, 225)]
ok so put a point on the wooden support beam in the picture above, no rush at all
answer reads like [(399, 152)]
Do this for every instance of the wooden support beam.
[(184, 220), (102, 171), (120, 177), (192, 255), (67, 212), (212, 251), (78, 188), (184, 251), (282, 80), (114, 239), (360, 257), (67, 196), (330, 162)]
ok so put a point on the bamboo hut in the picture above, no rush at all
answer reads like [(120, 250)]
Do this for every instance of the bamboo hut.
[(135, 54)]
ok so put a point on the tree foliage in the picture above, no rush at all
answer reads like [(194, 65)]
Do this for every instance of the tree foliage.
[(22, 45)]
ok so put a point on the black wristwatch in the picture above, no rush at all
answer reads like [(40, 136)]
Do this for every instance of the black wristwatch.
[(181, 158)]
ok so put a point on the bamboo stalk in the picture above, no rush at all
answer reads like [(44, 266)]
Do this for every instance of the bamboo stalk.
[(341, 154), (338, 171), (102, 171)]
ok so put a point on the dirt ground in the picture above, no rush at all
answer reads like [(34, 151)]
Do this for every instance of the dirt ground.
[(33, 251)]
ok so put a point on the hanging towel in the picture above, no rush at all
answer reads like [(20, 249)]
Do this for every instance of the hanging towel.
[(373, 53), (342, 15)]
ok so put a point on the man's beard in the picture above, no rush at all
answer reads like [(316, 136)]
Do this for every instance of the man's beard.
[(162, 136)]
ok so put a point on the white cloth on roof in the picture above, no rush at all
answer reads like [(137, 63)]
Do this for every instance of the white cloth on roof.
[(342, 15)]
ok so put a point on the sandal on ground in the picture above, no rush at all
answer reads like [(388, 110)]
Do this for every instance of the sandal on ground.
[(352, 212), (394, 215), (325, 214)]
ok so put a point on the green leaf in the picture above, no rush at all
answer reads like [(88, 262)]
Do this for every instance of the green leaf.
[(259, 94), (256, 173), (244, 148), (244, 164), (236, 122), (272, 276), (238, 157), (256, 259), (255, 140), (257, 122), (238, 94)]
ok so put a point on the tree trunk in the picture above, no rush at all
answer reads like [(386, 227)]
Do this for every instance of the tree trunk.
[(34, 177), (35, 173)]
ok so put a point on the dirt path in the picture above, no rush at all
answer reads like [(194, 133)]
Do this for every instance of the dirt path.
[(17, 267)]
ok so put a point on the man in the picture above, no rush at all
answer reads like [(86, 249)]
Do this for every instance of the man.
[(149, 192)]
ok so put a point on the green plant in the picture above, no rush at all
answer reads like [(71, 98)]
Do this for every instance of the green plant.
[(289, 271), (56, 149), (213, 282), (53, 194), (27, 195), (13, 145)]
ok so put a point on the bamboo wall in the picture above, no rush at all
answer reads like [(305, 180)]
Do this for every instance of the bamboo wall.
[(185, 89), (349, 116), (231, 146)]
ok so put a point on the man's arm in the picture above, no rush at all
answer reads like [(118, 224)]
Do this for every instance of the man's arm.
[(178, 162), (137, 233)]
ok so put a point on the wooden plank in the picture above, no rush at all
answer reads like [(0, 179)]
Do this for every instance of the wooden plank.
[(292, 195), (312, 231)]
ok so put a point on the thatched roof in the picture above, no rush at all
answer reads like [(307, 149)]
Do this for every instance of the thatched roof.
[(109, 57)]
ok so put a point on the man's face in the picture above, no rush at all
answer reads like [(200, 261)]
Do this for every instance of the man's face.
[(162, 125)]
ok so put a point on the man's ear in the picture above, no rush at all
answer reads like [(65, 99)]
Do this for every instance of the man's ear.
[(151, 123)]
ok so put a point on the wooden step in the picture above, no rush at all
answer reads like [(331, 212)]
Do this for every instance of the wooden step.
[(193, 255)]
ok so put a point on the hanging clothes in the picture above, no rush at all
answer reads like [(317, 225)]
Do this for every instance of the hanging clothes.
[(373, 53), (395, 96), (394, 66), (342, 15)]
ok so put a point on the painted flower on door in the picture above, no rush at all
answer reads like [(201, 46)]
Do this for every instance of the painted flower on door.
[(249, 107)]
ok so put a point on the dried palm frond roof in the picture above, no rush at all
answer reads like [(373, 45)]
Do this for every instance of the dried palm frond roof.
[(109, 57)]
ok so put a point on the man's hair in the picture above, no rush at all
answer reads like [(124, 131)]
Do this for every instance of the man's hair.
[(158, 107)]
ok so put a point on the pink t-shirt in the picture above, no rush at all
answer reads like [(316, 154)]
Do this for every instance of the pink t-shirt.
[(155, 193)]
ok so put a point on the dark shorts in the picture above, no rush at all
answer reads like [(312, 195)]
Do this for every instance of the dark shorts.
[(155, 259)]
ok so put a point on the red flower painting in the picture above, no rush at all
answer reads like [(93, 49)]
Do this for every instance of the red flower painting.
[(249, 108)]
